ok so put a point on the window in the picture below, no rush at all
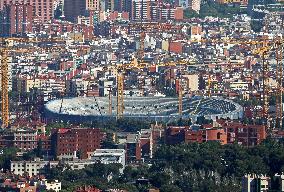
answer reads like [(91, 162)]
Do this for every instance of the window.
[(219, 135)]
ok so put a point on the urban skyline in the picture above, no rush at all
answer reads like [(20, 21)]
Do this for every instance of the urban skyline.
[(141, 95)]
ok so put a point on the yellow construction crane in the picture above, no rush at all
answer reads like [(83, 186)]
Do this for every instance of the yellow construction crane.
[(4, 86), (279, 78), (180, 92), (109, 100), (209, 85), (120, 103), (4, 72), (264, 53), (141, 44)]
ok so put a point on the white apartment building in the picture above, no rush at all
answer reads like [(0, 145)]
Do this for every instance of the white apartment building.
[(30, 167), (108, 156)]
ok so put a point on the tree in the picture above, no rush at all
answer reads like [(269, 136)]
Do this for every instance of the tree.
[(8, 154), (170, 188), (188, 13), (204, 167), (108, 143)]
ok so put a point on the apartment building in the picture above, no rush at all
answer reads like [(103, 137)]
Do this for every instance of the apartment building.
[(108, 156), (144, 10), (31, 168), (25, 139), (12, 23), (76, 142), (227, 133), (191, 4), (43, 10)]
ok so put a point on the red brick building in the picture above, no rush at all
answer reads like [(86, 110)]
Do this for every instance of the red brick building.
[(225, 133), (69, 143), (45, 142), (42, 9), (193, 136), (140, 145), (175, 135), (178, 14), (16, 19), (133, 148), (247, 135), (175, 47), (6, 140), (25, 139), (168, 12)]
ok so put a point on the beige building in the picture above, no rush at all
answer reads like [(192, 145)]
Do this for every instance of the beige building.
[(195, 5), (165, 45), (93, 5), (192, 82), (28, 167), (239, 85), (24, 84)]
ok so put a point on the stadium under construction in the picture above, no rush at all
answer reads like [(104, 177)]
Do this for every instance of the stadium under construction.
[(162, 109)]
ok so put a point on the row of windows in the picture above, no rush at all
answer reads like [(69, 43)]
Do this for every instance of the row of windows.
[(25, 138), (25, 142), (23, 170), (28, 165)]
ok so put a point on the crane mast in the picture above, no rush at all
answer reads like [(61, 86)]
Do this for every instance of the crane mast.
[(209, 86), (4, 86), (265, 103), (141, 45), (120, 104), (180, 99), (110, 100), (279, 93)]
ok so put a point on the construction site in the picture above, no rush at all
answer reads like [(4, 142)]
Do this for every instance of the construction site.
[(161, 109), (126, 95), (200, 76)]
